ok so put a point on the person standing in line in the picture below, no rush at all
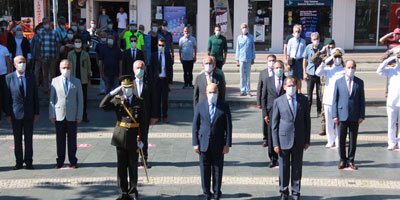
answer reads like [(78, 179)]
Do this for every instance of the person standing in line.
[(295, 51), (99, 48), (5, 68), (130, 56), (169, 43), (128, 32), (61, 30), (20, 46), (122, 20), (187, 55), (110, 64), (217, 47), (245, 55), (103, 19)]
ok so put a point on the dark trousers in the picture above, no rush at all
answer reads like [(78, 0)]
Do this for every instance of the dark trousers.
[(160, 98), (219, 64), (314, 81), (111, 82), (187, 72), (23, 127), (211, 164), (66, 129), (273, 156), (2, 92), (290, 167), (264, 129), (84, 92), (145, 139), (127, 161), (353, 132)]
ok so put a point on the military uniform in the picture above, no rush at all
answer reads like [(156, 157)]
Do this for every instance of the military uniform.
[(125, 138)]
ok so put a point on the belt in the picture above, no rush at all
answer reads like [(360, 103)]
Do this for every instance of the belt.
[(127, 125), (162, 78)]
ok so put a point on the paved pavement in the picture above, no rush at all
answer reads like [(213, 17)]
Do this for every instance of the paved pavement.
[(175, 173)]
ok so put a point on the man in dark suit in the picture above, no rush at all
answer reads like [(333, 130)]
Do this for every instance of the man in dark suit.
[(268, 72), (348, 112), (291, 125), (22, 109), (203, 80), (130, 119), (130, 56), (272, 90), (212, 138), (161, 75), (143, 89)]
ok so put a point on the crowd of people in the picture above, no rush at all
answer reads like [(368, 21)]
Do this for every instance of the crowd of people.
[(136, 76)]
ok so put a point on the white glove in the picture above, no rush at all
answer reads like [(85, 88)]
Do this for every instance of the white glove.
[(329, 59), (140, 144), (115, 91)]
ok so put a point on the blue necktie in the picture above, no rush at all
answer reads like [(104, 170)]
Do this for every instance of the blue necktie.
[(66, 86), (212, 112), (21, 87)]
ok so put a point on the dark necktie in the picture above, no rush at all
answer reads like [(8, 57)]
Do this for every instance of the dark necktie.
[(21, 87), (159, 64)]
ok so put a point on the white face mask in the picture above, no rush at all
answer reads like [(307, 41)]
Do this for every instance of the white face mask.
[(297, 35), (161, 49), (208, 67), (271, 64), (81, 28), (74, 28), (217, 33), (93, 25), (338, 61), (291, 90), (128, 92), (187, 35), (133, 44), (109, 26), (18, 34), (154, 28), (315, 42), (245, 31), (70, 36), (350, 73), (21, 67), (165, 28), (78, 45), (212, 97), (65, 73), (110, 42), (103, 39)]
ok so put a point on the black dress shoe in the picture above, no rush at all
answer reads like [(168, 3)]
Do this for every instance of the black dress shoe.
[(74, 166), (353, 166), (59, 166), (17, 167), (207, 198), (265, 144), (85, 120), (322, 133), (342, 165), (30, 167), (273, 164)]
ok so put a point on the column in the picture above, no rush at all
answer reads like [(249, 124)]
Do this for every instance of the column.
[(240, 15), (203, 24), (278, 10), (343, 23), (144, 14)]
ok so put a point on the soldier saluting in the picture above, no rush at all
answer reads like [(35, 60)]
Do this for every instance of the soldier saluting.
[(126, 137)]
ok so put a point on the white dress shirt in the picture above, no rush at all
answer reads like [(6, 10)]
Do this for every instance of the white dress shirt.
[(162, 73), (270, 72), (133, 53), (139, 86)]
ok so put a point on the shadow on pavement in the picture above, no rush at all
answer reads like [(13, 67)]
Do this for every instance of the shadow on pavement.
[(17, 198)]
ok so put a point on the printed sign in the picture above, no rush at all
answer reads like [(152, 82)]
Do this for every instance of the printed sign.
[(176, 18), (309, 20), (259, 33), (39, 11)]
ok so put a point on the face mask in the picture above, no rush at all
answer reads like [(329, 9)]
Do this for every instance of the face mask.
[(133, 44), (103, 40), (139, 73), (165, 28), (18, 34), (74, 28), (154, 29), (217, 33), (128, 92), (109, 26), (271, 64), (21, 67), (338, 61), (212, 97), (315, 42), (65, 73), (350, 73), (187, 35), (278, 72), (46, 26), (110, 42), (244, 31), (161, 49), (81, 28), (208, 67), (70, 36), (78, 45), (93, 25), (291, 90), (297, 35), (133, 28)]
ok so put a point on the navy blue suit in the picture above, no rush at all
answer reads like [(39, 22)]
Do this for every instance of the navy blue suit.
[(211, 137), (291, 133), (348, 108), (22, 108)]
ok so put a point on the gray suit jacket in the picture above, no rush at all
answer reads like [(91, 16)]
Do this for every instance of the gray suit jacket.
[(66, 106), (261, 84), (200, 88), (289, 130)]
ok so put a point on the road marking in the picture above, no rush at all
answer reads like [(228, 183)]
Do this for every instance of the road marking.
[(196, 180), (106, 135)]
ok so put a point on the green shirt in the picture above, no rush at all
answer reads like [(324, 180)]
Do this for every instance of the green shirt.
[(217, 47), (127, 38)]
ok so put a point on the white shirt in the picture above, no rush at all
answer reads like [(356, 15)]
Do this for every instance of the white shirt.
[(277, 80), (23, 79), (122, 20), (351, 83), (162, 73), (3, 54), (139, 86), (128, 99), (332, 74), (133, 52), (393, 74), (270, 72), (18, 52)]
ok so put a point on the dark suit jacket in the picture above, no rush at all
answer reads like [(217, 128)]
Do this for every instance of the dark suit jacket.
[(261, 84), (146, 95), (212, 135), (347, 107), (154, 70), (17, 106), (287, 128), (269, 94), (200, 88), (25, 46), (128, 60)]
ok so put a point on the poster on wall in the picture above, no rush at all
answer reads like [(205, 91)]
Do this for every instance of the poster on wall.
[(259, 33), (39, 11), (159, 13), (27, 26), (176, 18), (222, 18), (394, 16), (309, 20)]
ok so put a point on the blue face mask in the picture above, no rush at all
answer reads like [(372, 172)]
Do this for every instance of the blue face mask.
[(139, 73)]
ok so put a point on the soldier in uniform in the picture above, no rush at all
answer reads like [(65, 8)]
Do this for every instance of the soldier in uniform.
[(130, 113)]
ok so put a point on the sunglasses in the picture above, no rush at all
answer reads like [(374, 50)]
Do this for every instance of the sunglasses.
[(133, 40), (161, 45)]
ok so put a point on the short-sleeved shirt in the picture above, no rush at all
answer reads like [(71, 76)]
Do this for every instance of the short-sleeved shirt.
[(61, 32), (111, 58), (139, 36), (217, 47), (122, 20), (48, 44), (187, 45), (295, 48), (103, 20), (168, 39), (3, 53), (308, 54)]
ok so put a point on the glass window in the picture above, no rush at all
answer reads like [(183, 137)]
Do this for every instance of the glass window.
[(260, 18), (221, 13), (365, 24), (176, 21)]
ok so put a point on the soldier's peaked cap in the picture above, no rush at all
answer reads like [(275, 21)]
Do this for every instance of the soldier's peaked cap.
[(126, 80)]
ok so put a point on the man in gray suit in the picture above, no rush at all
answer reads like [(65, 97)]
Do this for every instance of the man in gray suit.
[(65, 111), (203, 80), (291, 127)]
